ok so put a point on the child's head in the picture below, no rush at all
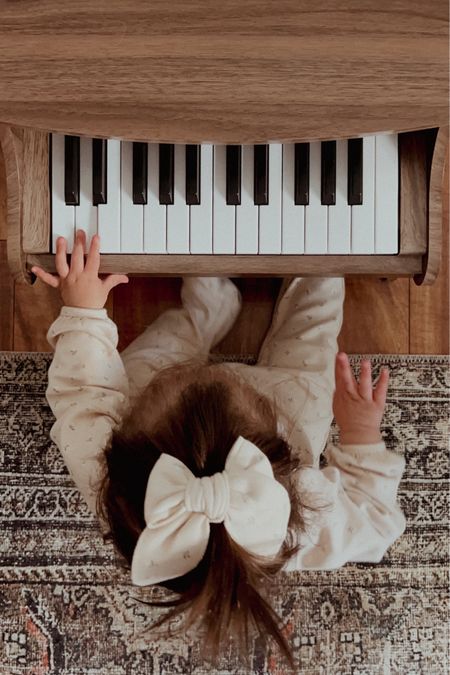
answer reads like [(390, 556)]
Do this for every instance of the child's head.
[(196, 413)]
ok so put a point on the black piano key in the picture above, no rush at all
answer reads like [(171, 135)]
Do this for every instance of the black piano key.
[(140, 163), (166, 173), (72, 170), (355, 171), (328, 173), (193, 174), (99, 171), (234, 164), (301, 174), (261, 175)]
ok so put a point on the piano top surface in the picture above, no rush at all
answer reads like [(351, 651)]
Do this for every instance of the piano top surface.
[(224, 72)]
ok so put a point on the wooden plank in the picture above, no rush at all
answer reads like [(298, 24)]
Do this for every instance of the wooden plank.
[(413, 190), (138, 303), (35, 307), (11, 141), (248, 265), (35, 192), (145, 71), (429, 305), (6, 302), (376, 317), (2, 196)]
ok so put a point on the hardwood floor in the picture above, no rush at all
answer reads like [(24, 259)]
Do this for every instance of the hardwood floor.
[(380, 316)]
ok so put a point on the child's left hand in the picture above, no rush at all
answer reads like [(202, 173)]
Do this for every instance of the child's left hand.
[(80, 285)]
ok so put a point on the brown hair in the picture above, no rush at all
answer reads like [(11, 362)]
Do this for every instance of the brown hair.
[(195, 413)]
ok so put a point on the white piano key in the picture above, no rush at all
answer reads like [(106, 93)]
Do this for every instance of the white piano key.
[(155, 214), (339, 215), (363, 215), (316, 214), (201, 214), (109, 224), (125, 227), (178, 212), (224, 215), (293, 215), (386, 193), (63, 216), (247, 212), (270, 214), (132, 215), (86, 212)]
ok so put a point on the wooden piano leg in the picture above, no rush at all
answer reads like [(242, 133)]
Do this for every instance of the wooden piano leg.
[(436, 213), (12, 151), (25, 155)]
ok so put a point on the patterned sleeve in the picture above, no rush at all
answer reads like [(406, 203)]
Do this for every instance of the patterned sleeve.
[(87, 391), (357, 516)]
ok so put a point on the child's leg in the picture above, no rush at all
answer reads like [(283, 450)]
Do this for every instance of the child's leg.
[(302, 343), (210, 307), (305, 327)]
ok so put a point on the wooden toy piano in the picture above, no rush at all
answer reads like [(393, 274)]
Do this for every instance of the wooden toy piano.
[(219, 143)]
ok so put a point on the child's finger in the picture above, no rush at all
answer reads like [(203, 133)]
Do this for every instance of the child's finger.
[(77, 260), (93, 258), (61, 257), (380, 393), (365, 380), (113, 280), (345, 380), (46, 276)]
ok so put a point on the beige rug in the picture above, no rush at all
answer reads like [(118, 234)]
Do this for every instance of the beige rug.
[(66, 608)]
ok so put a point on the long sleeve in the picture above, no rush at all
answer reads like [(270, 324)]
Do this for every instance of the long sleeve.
[(295, 366), (357, 516), (209, 308), (87, 391)]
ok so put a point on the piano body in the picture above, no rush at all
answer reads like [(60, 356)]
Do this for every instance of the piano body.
[(192, 173)]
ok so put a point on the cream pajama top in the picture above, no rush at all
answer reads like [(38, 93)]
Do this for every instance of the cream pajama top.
[(90, 386)]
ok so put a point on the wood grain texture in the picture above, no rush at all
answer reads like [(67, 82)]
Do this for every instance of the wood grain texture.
[(26, 176), (247, 265), (36, 191), (6, 302), (376, 316), (35, 308), (228, 71), (436, 217), (2, 196), (12, 151), (26, 152), (138, 303), (429, 305), (413, 212)]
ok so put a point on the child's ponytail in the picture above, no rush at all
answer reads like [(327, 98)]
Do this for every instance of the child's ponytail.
[(196, 414)]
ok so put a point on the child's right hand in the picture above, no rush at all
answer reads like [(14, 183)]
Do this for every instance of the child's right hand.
[(80, 284), (358, 408)]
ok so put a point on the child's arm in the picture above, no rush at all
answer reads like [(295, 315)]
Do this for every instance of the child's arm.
[(87, 391), (87, 384), (358, 516)]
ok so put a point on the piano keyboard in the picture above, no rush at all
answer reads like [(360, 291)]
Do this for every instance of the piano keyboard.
[(329, 197)]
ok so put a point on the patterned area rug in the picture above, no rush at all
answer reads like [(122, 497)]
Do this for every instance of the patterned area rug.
[(66, 607)]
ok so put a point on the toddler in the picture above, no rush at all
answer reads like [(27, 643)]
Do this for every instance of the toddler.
[(206, 476)]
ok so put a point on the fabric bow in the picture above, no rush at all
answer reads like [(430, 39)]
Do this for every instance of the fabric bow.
[(179, 506)]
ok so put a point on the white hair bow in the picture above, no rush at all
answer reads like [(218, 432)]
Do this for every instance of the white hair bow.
[(179, 506)]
